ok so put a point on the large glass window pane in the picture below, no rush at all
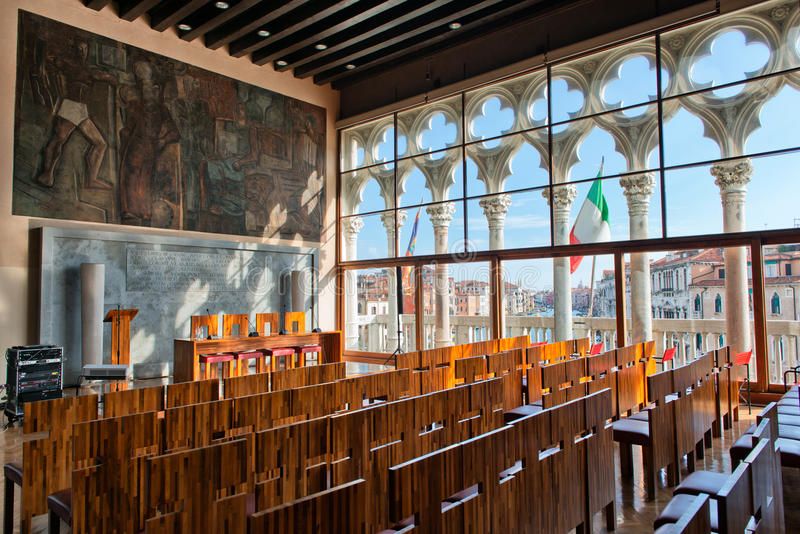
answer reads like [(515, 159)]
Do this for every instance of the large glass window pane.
[(371, 313), (508, 164), (703, 127), (432, 127), (782, 285), (731, 48), (368, 237), (502, 108), (430, 178), (759, 194), (431, 229), (612, 143), (509, 220), (619, 77), (369, 144), (367, 190), (528, 303)]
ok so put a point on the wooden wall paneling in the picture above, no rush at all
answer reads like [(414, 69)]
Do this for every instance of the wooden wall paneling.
[(231, 321), (333, 511), (185, 393), (600, 477), (241, 386), (291, 462), (47, 461), (191, 482), (131, 401)]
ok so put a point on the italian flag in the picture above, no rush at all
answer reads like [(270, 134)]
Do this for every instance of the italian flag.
[(591, 226)]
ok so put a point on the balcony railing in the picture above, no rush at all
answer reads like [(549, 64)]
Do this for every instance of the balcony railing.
[(688, 336)]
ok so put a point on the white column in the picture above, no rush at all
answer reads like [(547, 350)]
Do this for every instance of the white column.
[(350, 229), (563, 197), (391, 231), (638, 189), (495, 209), (732, 179), (441, 215)]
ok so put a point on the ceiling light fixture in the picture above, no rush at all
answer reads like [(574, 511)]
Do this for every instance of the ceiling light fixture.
[(222, 5), (281, 63), (454, 25), (349, 66), (184, 27), (320, 46), (262, 33)]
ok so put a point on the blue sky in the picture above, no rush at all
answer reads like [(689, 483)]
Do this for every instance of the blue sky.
[(692, 200)]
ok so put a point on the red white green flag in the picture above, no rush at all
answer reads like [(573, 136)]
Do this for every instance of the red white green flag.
[(591, 225)]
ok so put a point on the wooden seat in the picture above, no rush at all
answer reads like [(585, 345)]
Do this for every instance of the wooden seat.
[(59, 506), (209, 364), (303, 350), (278, 354)]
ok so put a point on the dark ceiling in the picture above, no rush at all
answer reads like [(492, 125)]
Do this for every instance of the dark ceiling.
[(331, 41)]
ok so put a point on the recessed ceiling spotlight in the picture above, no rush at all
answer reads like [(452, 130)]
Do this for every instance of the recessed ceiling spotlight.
[(320, 46), (184, 27), (281, 63), (349, 66), (222, 5), (454, 25), (262, 33)]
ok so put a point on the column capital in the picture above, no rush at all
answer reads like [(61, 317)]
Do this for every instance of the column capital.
[(388, 220), (495, 208), (441, 214), (638, 187), (563, 196), (732, 176), (352, 226)]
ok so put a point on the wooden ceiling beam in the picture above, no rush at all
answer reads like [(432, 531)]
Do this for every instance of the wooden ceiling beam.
[(171, 12), (413, 30), (480, 23), (293, 22), (348, 32), (210, 17), (97, 5), (133, 9), (250, 21)]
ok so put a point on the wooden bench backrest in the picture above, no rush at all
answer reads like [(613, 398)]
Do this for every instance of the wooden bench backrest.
[(734, 501), (197, 425), (109, 485), (185, 393), (131, 401), (601, 369), (470, 370), (663, 418), (631, 391), (333, 511), (263, 411), (508, 366), (192, 482), (241, 386), (308, 376), (47, 461)]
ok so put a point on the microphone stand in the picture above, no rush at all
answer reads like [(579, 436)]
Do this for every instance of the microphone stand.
[(208, 312), (399, 297), (119, 340)]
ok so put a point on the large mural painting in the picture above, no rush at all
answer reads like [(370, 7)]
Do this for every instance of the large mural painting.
[(107, 132)]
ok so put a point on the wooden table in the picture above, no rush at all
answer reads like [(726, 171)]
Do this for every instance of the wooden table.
[(186, 366)]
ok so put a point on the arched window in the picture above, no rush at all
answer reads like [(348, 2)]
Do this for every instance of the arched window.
[(697, 303), (718, 304), (776, 304)]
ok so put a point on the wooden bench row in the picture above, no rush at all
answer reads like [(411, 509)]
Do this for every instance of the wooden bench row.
[(123, 480)]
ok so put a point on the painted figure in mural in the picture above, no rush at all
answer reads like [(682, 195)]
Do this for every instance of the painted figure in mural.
[(148, 130), (74, 79)]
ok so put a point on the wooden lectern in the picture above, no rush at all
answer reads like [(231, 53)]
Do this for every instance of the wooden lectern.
[(120, 334)]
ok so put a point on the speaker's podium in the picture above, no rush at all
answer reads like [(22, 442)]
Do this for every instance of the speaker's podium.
[(120, 334)]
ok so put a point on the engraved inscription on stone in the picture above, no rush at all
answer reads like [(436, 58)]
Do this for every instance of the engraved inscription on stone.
[(152, 270)]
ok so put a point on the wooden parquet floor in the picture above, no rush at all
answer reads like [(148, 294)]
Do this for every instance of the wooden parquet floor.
[(634, 513)]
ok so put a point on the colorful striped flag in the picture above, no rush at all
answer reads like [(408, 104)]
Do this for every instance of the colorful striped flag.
[(412, 244), (591, 225)]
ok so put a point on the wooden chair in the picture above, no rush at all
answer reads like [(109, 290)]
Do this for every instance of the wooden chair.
[(132, 401), (332, 511), (195, 392), (209, 323), (198, 485), (46, 461), (279, 358), (696, 519), (294, 322), (272, 319), (235, 325), (303, 352)]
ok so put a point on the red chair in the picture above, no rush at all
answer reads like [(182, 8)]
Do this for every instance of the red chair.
[(668, 356), (281, 353), (596, 349), (210, 361), (243, 362), (743, 359)]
